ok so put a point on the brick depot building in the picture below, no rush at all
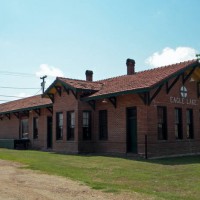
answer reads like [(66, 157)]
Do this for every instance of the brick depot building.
[(154, 113)]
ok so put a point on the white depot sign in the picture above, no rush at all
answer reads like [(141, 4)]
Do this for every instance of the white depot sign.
[(183, 99)]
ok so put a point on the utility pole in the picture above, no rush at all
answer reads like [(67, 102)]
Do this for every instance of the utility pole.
[(198, 56), (43, 83)]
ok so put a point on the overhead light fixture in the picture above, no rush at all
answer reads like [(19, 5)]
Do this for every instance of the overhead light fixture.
[(192, 79), (104, 101)]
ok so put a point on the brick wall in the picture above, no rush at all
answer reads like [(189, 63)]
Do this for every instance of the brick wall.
[(10, 128), (173, 146), (117, 128), (41, 141), (116, 142), (146, 124), (65, 102)]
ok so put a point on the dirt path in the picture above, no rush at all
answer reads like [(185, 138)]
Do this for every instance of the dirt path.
[(23, 184)]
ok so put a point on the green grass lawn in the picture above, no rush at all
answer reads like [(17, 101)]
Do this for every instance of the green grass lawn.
[(171, 178)]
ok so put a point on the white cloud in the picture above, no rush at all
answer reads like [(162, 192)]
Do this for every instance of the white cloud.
[(51, 71), (23, 95), (170, 56)]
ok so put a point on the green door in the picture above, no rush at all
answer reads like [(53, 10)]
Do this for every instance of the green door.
[(49, 132), (132, 130)]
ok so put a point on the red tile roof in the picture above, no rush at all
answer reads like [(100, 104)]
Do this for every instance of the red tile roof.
[(112, 86), (141, 80), (81, 84), (26, 103)]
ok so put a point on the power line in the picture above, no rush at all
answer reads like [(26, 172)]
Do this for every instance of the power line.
[(19, 74), (15, 73), (11, 96), (18, 88), (37, 92), (15, 97), (43, 83)]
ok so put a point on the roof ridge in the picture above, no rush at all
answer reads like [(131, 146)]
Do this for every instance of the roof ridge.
[(166, 66), (147, 70), (71, 79), (78, 80), (112, 78)]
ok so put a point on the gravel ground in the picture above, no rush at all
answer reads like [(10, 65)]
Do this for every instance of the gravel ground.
[(23, 184)]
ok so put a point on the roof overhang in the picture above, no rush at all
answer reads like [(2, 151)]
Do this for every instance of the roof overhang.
[(27, 109), (102, 96), (186, 71), (52, 88)]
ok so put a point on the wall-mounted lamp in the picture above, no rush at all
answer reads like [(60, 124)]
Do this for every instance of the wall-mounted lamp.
[(192, 79), (104, 101)]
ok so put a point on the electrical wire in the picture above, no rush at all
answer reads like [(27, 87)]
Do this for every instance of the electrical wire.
[(18, 88), (19, 74), (18, 97), (16, 74), (38, 92), (11, 96)]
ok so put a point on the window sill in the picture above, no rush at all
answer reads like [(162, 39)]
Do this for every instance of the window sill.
[(163, 141), (70, 140), (59, 139), (103, 140), (89, 139)]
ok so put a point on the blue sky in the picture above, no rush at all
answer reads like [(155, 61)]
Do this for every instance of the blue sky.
[(67, 37)]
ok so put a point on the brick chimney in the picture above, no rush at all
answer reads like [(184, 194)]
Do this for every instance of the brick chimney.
[(130, 66), (89, 75)]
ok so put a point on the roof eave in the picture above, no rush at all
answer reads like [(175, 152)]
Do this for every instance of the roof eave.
[(28, 108), (181, 71), (140, 90), (45, 94), (145, 89), (67, 86)]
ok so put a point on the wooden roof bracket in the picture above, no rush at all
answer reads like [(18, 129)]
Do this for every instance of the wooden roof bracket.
[(113, 100), (51, 96), (26, 113), (75, 94), (145, 96), (37, 111), (185, 78), (58, 89), (198, 89), (7, 115), (66, 90), (92, 103), (155, 94), (169, 87), (16, 114), (50, 109)]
